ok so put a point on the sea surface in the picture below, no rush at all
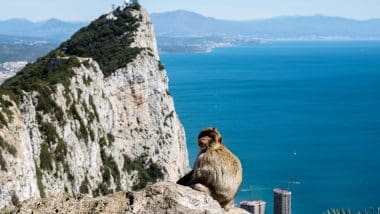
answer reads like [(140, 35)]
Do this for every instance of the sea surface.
[(305, 112)]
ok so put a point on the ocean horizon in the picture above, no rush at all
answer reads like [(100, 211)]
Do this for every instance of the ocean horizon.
[(300, 111)]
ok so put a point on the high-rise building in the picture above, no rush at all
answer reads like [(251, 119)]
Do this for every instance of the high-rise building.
[(254, 207), (282, 202)]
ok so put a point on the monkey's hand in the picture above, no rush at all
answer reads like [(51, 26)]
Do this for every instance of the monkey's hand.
[(202, 188)]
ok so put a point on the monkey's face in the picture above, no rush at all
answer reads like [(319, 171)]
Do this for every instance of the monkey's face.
[(204, 141), (209, 137)]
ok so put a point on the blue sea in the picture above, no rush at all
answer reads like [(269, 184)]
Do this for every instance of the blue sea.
[(291, 111)]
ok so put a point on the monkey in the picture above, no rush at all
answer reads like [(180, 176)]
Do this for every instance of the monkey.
[(216, 172)]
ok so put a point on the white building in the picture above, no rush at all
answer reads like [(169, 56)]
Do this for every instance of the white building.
[(131, 2)]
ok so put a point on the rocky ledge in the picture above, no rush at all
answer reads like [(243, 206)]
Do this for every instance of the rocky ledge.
[(163, 197)]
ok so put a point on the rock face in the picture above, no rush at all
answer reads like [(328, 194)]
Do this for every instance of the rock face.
[(95, 132), (162, 197)]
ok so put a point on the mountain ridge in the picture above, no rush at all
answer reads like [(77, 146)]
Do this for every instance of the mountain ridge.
[(187, 23), (276, 27)]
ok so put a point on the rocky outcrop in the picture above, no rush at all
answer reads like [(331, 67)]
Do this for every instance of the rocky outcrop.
[(82, 121), (162, 197)]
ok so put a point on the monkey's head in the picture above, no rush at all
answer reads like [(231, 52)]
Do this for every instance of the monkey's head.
[(209, 138)]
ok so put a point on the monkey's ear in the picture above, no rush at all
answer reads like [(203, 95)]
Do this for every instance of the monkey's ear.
[(221, 140)]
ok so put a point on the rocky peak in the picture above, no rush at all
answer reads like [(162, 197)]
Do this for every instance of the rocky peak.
[(93, 116)]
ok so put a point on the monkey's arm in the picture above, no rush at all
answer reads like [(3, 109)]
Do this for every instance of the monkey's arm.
[(187, 179)]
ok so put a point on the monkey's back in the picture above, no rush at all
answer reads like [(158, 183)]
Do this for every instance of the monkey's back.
[(221, 171)]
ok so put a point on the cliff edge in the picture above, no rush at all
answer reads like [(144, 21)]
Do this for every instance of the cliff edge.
[(161, 197), (94, 116)]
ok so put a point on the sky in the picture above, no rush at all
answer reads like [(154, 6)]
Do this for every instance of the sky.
[(86, 10)]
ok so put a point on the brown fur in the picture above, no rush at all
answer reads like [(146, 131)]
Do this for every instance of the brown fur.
[(216, 171)]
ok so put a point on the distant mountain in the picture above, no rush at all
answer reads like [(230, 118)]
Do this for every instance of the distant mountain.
[(52, 29), (184, 23), (188, 24)]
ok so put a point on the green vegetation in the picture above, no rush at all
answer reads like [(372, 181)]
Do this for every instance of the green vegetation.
[(46, 159), (93, 106), (83, 133), (161, 66), (107, 42), (40, 185), (51, 138), (84, 186), (3, 164), (86, 63), (60, 152), (147, 175), (4, 146), (110, 168), (41, 76), (110, 138), (4, 106), (7, 147), (47, 130), (3, 120)]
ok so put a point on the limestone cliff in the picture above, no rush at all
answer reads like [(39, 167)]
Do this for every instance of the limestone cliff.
[(94, 116)]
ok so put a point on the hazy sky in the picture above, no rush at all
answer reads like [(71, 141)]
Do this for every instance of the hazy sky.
[(86, 10)]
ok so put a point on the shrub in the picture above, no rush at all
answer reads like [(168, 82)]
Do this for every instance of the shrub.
[(110, 168), (110, 138), (91, 101), (3, 120), (49, 132), (3, 164), (84, 186), (7, 147), (46, 159), (83, 133), (147, 174), (60, 151), (160, 66), (40, 185)]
